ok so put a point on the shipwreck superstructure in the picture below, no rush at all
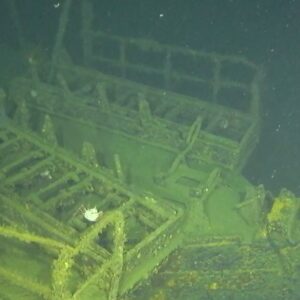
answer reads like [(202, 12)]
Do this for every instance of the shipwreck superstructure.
[(152, 139)]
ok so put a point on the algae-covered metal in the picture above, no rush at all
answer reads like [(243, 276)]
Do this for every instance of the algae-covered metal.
[(42, 189), (120, 178)]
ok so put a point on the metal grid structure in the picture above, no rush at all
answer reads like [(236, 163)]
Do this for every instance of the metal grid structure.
[(195, 116), (42, 192)]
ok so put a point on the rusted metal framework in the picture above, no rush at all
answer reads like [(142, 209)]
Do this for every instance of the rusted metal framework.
[(152, 138)]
